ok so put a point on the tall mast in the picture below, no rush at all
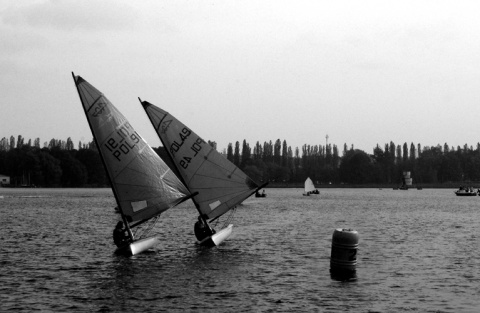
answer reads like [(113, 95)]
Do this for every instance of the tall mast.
[(170, 157), (124, 218)]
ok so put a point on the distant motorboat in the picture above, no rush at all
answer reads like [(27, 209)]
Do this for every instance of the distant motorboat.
[(466, 192), (260, 195)]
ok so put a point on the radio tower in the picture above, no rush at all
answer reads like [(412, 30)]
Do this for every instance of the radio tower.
[(326, 137)]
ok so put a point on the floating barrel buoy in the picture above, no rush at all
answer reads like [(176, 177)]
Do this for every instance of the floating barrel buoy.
[(343, 260)]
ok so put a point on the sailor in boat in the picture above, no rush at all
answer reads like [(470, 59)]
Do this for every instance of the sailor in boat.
[(202, 230), (120, 238)]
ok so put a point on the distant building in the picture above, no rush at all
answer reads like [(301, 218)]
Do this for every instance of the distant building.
[(4, 180), (407, 180)]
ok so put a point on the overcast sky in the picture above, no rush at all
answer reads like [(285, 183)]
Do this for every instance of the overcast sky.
[(363, 72)]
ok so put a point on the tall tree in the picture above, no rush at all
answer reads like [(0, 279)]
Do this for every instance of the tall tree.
[(246, 152), (412, 152), (69, 145), (268, 152), (230, 152), (12, 142), (399, 154), (20, 141), (405, 152), (236, 154), (277, 158)]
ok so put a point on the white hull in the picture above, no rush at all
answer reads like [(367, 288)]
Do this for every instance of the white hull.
[(138, 246), (218, 238)]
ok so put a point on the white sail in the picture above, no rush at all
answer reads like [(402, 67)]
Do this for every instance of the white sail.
[(309, 187), (220, 184), (143, 184)]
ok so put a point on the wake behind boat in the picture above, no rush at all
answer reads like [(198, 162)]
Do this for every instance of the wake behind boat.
[(142, 183), (220, 185)]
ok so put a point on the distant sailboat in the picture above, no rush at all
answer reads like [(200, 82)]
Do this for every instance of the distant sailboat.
[(220, 185), (142, 183), (310, 188)]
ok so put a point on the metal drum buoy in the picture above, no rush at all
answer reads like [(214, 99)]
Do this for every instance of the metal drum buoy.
[(343, 260)]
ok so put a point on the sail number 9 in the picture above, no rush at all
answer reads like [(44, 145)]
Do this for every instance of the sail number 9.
[(196, 147), (122, 141), (175, 146)]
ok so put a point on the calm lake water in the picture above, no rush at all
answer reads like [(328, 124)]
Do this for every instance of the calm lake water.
[(418, 252)]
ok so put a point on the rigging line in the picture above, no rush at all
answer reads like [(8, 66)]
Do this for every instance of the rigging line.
[(145, 230), (151, 226), (227, 221)]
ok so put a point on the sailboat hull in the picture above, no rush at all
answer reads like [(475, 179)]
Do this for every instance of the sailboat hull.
[(217, 238), (138, 246)]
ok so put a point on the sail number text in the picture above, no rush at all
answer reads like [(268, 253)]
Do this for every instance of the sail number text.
[(196, 147), (122, 141)]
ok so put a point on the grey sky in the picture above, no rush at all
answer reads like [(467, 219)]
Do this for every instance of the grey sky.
[(365, 72)]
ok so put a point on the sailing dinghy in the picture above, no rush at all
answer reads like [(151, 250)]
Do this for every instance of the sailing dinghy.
[(220, 185), (143, 185), (310, 188)]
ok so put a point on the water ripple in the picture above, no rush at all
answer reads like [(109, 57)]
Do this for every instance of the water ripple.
[(417, 252)]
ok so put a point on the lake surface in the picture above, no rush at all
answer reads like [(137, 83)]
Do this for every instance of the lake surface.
[(418, 252)]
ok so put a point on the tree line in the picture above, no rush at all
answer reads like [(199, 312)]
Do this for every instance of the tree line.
[(59, 163)]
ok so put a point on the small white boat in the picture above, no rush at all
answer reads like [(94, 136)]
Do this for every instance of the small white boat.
[(309, 188)]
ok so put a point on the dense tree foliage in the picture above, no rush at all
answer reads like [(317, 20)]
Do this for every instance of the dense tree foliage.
[(59, 164)]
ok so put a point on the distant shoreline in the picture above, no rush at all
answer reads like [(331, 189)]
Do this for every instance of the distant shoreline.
[(449, 185)]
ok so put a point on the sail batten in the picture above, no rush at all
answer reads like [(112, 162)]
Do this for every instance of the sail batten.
[(142, 183), (220, 184)]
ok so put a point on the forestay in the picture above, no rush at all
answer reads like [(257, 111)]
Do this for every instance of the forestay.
[(143, 184), (220, 184)]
